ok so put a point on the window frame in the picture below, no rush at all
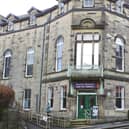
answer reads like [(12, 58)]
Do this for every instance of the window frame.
[(27, 99), (89, 5), (119, 6), (29, 56), (10, 26), (93, 42), (51, 97), (59, 53), (63, 98), (120, 96), (32, 20), (120, 55), (7, 64)]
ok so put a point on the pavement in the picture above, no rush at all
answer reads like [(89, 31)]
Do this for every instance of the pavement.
[(111, 125)]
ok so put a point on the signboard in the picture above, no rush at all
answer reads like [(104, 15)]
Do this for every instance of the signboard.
[(95, 111), (85, 85)]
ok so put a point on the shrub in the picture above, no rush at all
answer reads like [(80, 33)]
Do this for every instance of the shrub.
[(6, 96)]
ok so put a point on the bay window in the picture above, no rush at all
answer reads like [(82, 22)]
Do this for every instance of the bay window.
[(87, 51)]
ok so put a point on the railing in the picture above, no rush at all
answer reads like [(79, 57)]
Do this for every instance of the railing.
[(47, 121)]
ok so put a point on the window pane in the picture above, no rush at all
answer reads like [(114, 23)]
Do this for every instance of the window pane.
[(88, 3), (27, 98), (96, 55), (79, 37), (50, 96), (78, 55), (30, 56), (87, 55), (118, 103), (30, 61), (88, 37), (59, 52), (7, 64), (29, 69), (119, 54), (96, 37), (63, 97), (119, 97)]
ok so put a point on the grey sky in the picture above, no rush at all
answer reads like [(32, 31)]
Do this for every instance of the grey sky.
[(19, 7)]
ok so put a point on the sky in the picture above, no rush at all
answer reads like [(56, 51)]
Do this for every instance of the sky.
[(20, 7)]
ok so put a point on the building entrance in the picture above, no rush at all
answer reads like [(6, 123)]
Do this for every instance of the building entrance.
[(85, 106)]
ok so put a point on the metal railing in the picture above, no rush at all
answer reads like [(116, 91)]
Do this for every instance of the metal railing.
[(47, 121)]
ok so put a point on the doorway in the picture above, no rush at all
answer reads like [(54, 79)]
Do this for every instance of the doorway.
[(85, 105)]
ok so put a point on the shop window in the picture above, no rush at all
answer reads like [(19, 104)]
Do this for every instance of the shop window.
[(27, 99), (7, 64), (59, 53), (119, 54), (119, 97), (50, 96), (63, 97), (87, 52), (29, 62), (88, 3)]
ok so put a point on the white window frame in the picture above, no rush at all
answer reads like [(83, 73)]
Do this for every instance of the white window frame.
[(119, 6), (88, 3), (120, 43), (7, 56), (29, 61), (121, 95), (61, 7), (63, 96), (90, 42), (59, 53), (27, 99), (10, 26), (32, 19), (51, 97)]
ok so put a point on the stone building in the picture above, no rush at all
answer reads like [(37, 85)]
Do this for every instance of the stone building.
[(72, 57)]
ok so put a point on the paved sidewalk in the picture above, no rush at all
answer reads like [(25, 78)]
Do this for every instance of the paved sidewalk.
[(97, 126), (107, 125)]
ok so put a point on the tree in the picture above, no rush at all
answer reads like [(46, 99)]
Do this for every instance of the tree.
[(6, 96)]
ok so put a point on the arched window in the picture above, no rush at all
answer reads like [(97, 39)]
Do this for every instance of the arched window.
[(29, 62), (7, 62), (59, 50), (119, 54)]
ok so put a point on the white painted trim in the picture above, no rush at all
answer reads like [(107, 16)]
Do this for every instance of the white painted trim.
[(82, 93)]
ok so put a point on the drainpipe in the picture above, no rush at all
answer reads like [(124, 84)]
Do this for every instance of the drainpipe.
[(41, 73)]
